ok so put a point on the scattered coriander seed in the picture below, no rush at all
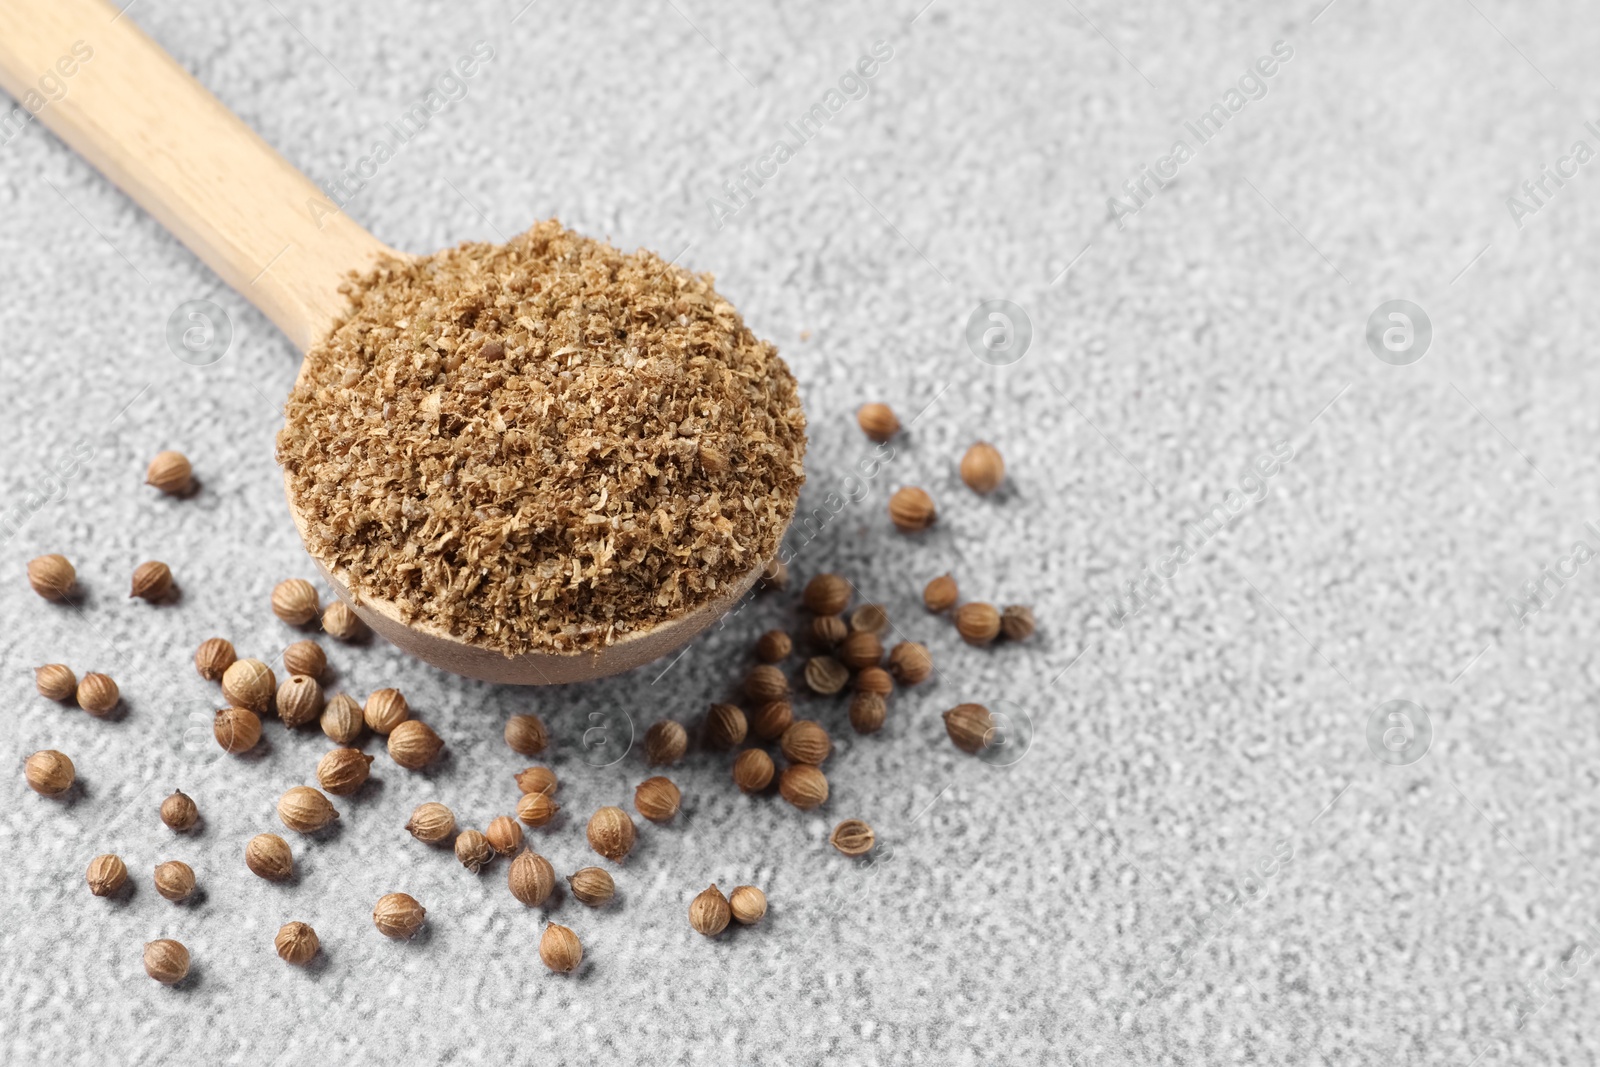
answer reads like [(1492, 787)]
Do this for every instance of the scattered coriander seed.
[(827, 631), (804, 786), (175, 880), (299, 700), (753, 770), (531, 879), (213, 658), (537, 809), (853, 838), (874, 680), (970, 727), (775, 575), (910, 663), (296, 943), (179, 811), (657, 799), (305, 658), (527, 735), (49, 773), (611, 833), (826, 594), (911, 510), (170, 472), (55, 681), (236, 729), (166, 960), (52, 577), (537, 779), (1016, 622), (269, 856), (344, 771), (107, 875), (398, 915), (473, 850), (825, 675), (431, 823), (773, 646), (249, 683), (870, 618), (152, 581), (305, 810), (877, 421), (592, 886), (665, 742), (725, 726), (342, 719), (806, 742), (98, 694), (747, 904), (982, 468), (386, 709), (867, 713), (413, 744), (770, 720), (295, 601), (504, 835), (766, 682), (709, 912), (940, 594), (860, 649), (977, 623), (340, 621), (560, 949)]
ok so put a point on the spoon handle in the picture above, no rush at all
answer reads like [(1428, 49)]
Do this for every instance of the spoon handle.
[(82, 68)]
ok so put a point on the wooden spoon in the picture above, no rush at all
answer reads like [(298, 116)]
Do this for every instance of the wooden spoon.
[(146, 124)]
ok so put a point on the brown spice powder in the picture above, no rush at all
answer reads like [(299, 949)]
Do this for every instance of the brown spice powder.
[(543, 445)]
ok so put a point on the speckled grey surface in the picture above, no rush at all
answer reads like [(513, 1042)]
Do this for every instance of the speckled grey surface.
[(1199, 859)]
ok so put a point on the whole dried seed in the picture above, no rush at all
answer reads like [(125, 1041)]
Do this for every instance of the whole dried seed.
[(55, 681)]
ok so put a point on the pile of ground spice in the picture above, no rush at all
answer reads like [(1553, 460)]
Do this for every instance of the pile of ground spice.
[(543, 445)]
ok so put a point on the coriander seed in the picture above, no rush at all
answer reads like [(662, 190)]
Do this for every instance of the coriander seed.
[(806, 742), (1016, 622), (877, 421), (52, 577), (49, 773), (295, 601), (537, 780), (982, 468), (299, 700), (269, 856), (341, 622), (179, 811), (413, 744), (531, 879), (977, 623), (431, 823), (98, 694), (826, 594), (249, 683), (870, 618), (504, 835), (55, 681), (860, 649), (305, 810), (175, 880), (537, 809), (592, 886), (166, 960), (472, 849), (709, 912), (770, 720), (725, 726), (398, 915), (804, 786), (560, 949), (386, 709), (911, 510), (753, 770), (151, 581), (766, 682), (296, 943), (853, 838), (827, 631), (970, 726), (867, 713), (773, 646), (657, 799), (527, 735), (170, 472), (665, 742), (611, 833), (910, 663), (747, 904), (940, 594), (305, 658), (236, 729), (775, 575), (342, 719), (825, 675), (214, 656), (874, 680), (344, 771), (107, 875)]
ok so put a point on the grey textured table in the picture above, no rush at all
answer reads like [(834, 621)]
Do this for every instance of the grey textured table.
[(1200, 858)]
